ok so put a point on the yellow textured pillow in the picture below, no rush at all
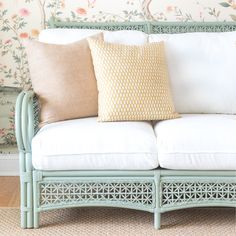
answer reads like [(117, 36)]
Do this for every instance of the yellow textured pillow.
[(132, 82)]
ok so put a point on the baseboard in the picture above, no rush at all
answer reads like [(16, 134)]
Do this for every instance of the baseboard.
[(9, 165)]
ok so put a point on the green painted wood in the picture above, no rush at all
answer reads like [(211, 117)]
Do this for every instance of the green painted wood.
[(187, 206), (23, 129), (157, 185), (107, 204), (197, 172), (98, 173), (188, 27), (138, 173), (149, 27), (157, 213), (111, 26)]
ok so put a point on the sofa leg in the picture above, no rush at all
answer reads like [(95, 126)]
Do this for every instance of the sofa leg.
[(29, 213), (35, 210), (26, 206), (29, 180), (36, 220), (23, 205), (157, 220), (23, 219)]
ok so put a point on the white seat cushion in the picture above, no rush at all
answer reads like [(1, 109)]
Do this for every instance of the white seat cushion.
[(65, 36), (85, 144), (197, 142), (201, 71)]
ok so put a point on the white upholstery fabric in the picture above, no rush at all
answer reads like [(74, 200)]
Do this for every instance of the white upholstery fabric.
[(87, 144), (197, 142), (202, 71), (65, 36), (128, 37)]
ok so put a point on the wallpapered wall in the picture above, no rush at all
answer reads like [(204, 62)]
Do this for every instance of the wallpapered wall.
[(20, 19)]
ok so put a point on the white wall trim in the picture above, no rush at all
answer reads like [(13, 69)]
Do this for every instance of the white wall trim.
[(9, 164)]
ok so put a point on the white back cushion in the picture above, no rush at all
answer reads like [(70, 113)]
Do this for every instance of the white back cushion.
[(65, 36), (128, 37), (202, 69)]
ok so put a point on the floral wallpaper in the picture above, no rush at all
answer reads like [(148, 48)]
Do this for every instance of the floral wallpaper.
[(7, 104), (21, 19)]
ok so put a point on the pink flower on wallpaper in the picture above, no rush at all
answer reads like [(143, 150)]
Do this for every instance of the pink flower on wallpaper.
[(24, 35), (24, 12), (1, 4), (81, 11), (7, 41), (169, 8), (2, 132)]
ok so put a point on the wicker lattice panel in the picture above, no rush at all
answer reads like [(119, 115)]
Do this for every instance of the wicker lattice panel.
[(36, 107), (139, 194), (183, 193), (150, 27), (109, 28), (112, 26), (173, 29)]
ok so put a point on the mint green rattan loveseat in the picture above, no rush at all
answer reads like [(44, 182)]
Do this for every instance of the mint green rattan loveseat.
[(156, 191)]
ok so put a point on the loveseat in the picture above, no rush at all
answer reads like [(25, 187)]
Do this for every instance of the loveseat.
[(154, 166)]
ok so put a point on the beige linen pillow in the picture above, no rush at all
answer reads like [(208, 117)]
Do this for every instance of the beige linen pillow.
[(63, 79), (132, 81)]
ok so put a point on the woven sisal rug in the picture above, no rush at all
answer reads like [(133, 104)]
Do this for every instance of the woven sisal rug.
[(123, 222)]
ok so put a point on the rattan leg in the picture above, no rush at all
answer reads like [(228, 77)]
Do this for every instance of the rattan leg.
[(157, 220), (36, 220), (23, 192), (23, 205), (35, 210)]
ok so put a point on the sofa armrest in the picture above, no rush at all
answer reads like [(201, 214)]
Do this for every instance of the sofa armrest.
[(26, 120), (26, 126)]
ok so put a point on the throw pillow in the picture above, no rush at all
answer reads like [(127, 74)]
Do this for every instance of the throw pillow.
[(132, 81), (63, 79)]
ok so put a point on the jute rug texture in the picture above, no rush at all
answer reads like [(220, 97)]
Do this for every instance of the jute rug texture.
[(123, 222)]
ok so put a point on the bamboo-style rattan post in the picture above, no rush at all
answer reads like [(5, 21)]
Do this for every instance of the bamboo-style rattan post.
[(29, 191), (35, 206), (23, 192), (24, 136), (157, 214)]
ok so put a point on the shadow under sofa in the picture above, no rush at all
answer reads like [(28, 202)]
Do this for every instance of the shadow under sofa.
[(167, 174)]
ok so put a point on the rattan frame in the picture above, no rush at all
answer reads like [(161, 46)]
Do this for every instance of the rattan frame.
[(155, 191)]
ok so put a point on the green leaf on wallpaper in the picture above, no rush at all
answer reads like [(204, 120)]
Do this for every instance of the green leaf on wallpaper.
[(5, 29), (16, 58), (233, 17), (73, 15), (225, 4), (4, 53), (4, 12), (22, 25)]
